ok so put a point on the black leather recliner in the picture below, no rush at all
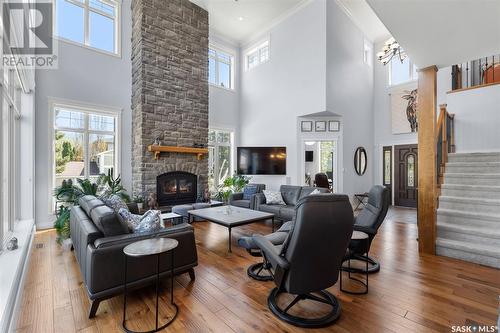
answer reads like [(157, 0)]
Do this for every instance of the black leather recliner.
[(310, 259), (261, 271), (369, 221)]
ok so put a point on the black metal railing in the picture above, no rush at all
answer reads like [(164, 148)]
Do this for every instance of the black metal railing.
[(474, 73)]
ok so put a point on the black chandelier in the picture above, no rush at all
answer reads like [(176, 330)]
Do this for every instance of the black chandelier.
[(390, 50)]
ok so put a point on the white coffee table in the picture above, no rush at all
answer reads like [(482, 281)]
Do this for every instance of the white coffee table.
[(230, 216)]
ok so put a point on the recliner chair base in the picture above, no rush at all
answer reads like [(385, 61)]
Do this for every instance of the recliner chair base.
[(373, 265), (255, 272), (327, 298)]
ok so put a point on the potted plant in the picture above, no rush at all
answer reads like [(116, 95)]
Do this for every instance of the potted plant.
[(139, 200), (230, 185)]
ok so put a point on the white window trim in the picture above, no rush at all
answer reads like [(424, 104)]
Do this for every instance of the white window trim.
[(83, 107), (257, 47), (85, 44), (230, 53), (231, 146), (410, 68)]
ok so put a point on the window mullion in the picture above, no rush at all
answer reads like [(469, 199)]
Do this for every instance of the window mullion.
[(86, 24), (86, 154)]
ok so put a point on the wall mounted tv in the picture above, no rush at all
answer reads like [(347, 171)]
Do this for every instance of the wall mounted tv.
[(261, 160)]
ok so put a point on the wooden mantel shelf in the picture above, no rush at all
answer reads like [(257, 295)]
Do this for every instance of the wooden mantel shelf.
[(174, 149)]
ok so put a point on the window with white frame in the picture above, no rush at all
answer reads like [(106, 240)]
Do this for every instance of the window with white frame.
[(220, 145), (85, 143), (93, 23), (9, 141), (220, 68), (401, 71), (257, 55)]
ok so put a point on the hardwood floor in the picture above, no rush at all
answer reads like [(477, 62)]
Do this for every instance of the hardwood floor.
[(411, 293)]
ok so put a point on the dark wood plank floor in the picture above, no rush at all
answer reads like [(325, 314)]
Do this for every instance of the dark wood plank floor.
[(411, 293)]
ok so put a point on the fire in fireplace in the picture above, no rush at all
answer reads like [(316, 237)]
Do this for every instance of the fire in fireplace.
[(177, 187)]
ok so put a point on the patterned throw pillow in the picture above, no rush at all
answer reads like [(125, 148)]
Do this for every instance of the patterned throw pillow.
[(273, 198), (248, 191), (150, 221), (115, 202)]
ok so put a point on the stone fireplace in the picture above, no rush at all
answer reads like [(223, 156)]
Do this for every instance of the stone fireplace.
[(169, 91)]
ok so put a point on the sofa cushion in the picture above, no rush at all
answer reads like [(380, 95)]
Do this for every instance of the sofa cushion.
[(273, 198), (115, 202), (275, 209), (106, 220), (88, 203), (248, 191), (149, 222), (287, 213), (241, 203), (290, 194)]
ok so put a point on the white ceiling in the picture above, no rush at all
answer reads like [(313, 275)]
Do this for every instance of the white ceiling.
[(441, 32), (239, 20), (364, 17)]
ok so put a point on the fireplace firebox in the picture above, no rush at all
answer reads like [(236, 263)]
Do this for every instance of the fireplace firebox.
[(177, 187)]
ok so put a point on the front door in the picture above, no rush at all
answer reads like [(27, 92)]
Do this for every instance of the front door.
[(406, 175)]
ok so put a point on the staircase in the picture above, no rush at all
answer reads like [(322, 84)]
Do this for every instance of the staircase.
[(468, 217)]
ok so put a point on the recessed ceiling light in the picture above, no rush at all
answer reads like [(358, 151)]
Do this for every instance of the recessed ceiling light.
[(240, 18)]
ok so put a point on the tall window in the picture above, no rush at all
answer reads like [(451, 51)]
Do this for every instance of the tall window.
[(85, 143), (9, 138), (219, 157), (93, 23), (257, 55), (401, 72), (220, 68)]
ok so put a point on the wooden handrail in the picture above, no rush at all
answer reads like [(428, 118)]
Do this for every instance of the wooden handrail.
[(445, 141)]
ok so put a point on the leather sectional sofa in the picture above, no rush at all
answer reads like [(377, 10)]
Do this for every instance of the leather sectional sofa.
[(291, 195), (98, 241)]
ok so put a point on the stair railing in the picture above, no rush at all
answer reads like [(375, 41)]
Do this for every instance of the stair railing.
[(445, 141)]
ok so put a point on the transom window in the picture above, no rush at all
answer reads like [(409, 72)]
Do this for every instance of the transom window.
[(257, 56), (401, 71), (85, 144), (220, 68), (92, 23), (219, 157)]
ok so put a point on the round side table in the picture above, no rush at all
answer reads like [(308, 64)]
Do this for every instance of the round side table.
[(145, 248), (357, 235)]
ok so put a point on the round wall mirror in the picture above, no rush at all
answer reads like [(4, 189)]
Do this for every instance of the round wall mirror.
[(360, 161)]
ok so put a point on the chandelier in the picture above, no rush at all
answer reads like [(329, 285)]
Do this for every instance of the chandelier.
[(390, 50)]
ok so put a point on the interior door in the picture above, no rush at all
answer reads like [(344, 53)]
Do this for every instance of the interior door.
[(387, 169), (406, 175)]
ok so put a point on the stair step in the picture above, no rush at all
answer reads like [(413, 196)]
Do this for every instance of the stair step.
[(473, 167), (478, 205), (467, 191), (469, 234), (474, 157), (478, 253), (487, 179), (468, 218)]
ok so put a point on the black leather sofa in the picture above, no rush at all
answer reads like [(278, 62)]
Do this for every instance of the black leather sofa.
[(291, 195), (98, 240)]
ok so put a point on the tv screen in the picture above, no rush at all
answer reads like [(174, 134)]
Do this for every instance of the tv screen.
[(261, 160)]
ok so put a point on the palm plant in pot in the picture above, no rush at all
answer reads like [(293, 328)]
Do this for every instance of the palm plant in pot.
[(139, 200), (230, 185)]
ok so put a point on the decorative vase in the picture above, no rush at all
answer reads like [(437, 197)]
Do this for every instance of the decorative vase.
[(228, 210), (140, 206)]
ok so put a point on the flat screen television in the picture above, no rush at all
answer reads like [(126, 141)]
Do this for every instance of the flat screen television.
[(261, 160)]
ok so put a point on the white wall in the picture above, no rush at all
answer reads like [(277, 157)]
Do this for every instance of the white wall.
[(477, 119), (86, 76), (290, 84), (349, 93)]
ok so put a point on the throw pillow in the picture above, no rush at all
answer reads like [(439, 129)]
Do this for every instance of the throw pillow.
[(273, 198), (248, 191), (316, 191), (150, 221), (115, 202)]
